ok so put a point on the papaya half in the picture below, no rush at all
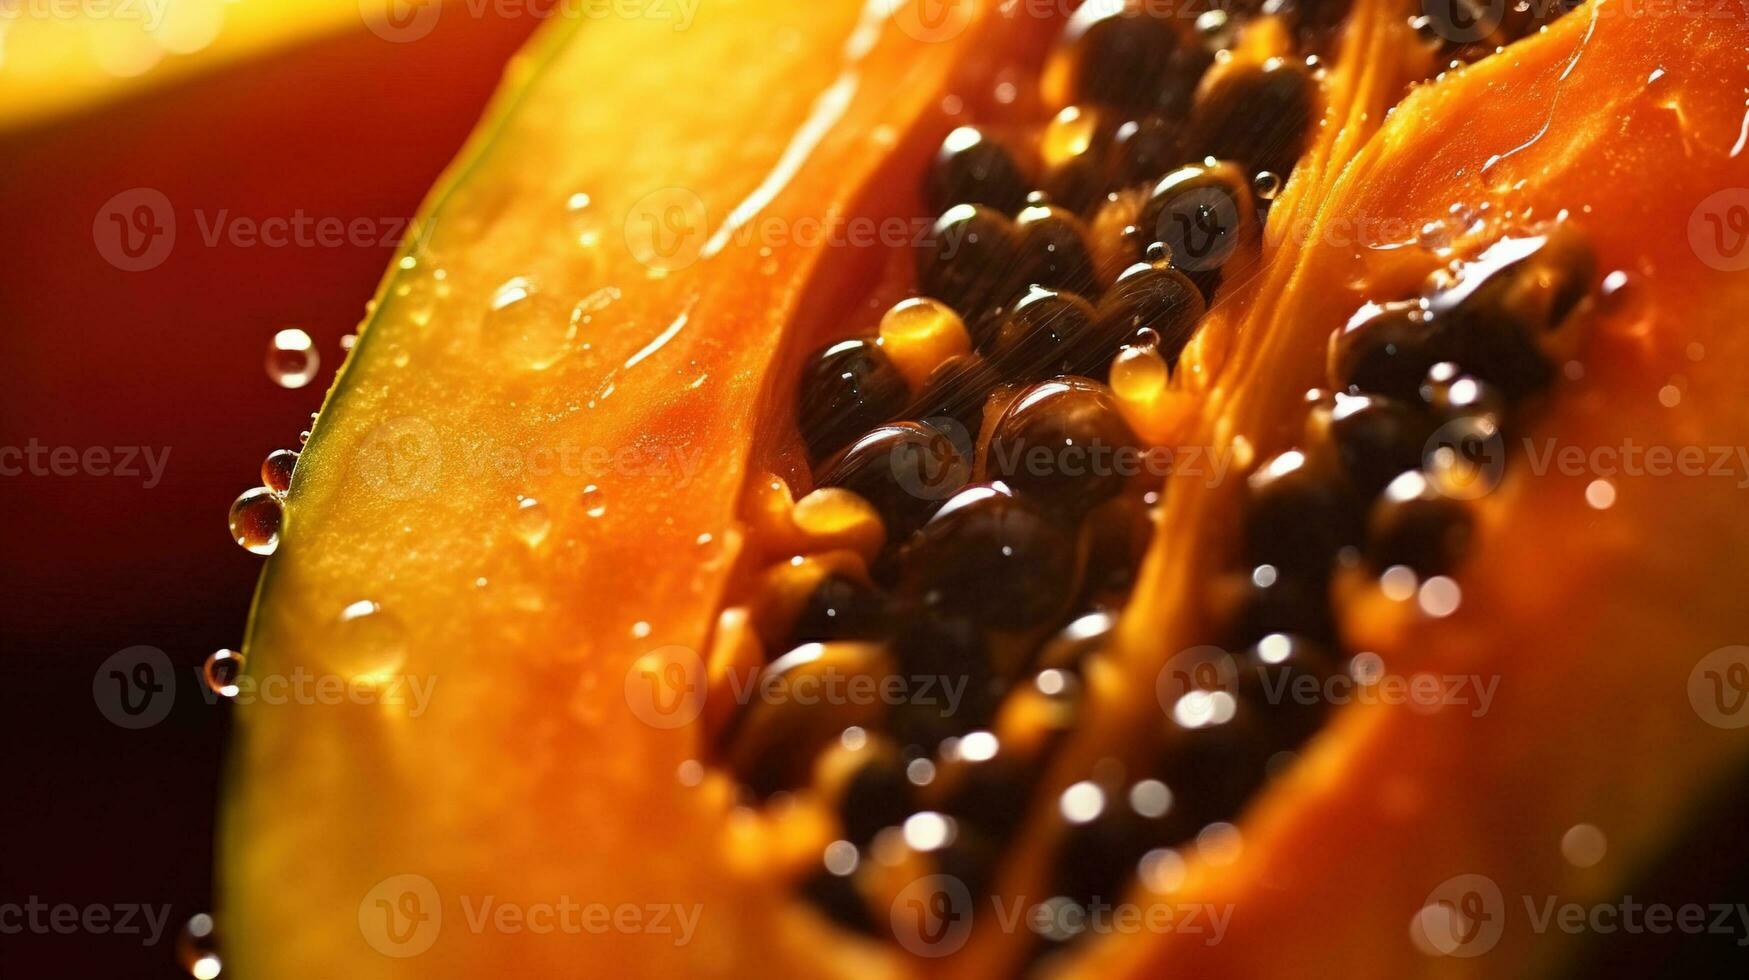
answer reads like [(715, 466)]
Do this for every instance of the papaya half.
[(980, 490)]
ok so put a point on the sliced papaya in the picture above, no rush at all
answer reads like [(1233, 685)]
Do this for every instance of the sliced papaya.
[(1218, 372)]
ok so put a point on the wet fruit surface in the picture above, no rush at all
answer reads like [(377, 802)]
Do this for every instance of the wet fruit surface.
[(1067, 770)]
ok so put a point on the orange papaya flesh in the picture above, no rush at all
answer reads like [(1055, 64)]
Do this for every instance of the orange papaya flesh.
[(1553, 126), (474, 803), (646, 348)]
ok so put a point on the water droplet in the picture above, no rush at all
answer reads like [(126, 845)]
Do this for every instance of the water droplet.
[(532, 521), (368, 644), (690, 772), (221, 671), (255, 519), (641, 629), (1266, 185), (276, 470), (292, 359), (593, 505), (1600, 494), (348, 341), (197, 948), (527, 327)]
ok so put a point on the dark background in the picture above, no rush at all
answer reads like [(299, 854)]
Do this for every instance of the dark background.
[(348, 126)]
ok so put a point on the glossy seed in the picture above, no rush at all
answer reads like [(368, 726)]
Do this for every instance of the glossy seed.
[(1281, 680), (957, 391), (972, 168), (1298, 516), (904, 469), (947, 651), (1386, 350), (1115, 535), (993, 557), (1073, 152), (1046, 334), (1261, 601), (1144, 150), (1053, 250), (1151, 297), (1064, 444), (1374, 438), (1510, 305), (841, 608), (1258, 115), (774, 741), (845, 390), (967, 261), (1214, 758), (1415, 525), (1203, 213), (1451, 394), (1116, 57)]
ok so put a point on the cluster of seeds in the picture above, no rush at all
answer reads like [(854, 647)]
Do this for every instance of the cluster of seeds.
[(968, 550)]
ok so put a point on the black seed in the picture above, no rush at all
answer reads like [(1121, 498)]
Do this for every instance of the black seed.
[(846, 389), (957, 390), (1053, 250), (1281, 683), (1202, 213), (989, 795), (1282, 603), (1075, 148), (1451, 394), (972, 168), (1257, 115), (1415, 525), (1151, 297), (1185, 68), (951, 652), (1064, 444), (1214, 768), (1144, 150), (1115, 57), (1099, 857), (875, 796), (1509, 305), (1116, 535), (1299, 516), (1375, 438), (993, 557), (968, 260), (1046, 334), (838, 899), (905, 470), (1386, 350), (841, 608), (773, 743)]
